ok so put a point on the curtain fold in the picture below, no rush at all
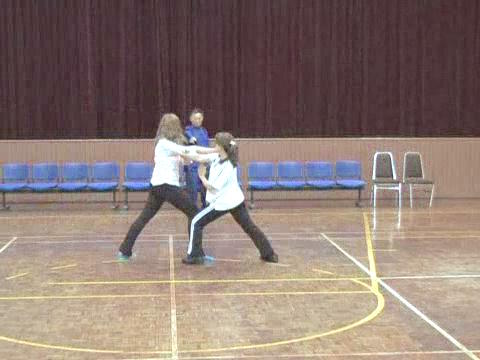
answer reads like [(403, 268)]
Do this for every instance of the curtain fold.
[(259, 68)]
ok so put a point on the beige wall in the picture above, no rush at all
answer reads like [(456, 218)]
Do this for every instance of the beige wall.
[(452, 162)]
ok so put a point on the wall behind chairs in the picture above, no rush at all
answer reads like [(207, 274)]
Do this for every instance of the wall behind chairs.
[(269, 68), (451, 162)]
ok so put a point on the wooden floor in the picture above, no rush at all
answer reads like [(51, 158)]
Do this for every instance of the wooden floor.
[(350, 284)]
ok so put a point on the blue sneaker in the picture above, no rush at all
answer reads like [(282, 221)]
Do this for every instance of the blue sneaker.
[(209, 259), (123, 258)]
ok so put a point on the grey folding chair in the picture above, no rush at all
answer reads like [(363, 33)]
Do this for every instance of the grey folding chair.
[(413, 175), (385, 176)]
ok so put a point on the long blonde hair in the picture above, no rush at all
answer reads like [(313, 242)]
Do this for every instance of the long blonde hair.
[(171, 129)]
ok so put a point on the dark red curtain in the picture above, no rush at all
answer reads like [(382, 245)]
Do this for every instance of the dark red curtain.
[(259, 68)]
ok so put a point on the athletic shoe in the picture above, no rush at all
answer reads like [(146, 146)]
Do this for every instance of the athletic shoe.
[(123, 258), (273, 258), (193, 260)]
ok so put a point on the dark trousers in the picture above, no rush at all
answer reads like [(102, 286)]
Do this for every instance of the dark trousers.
[(157, 196), (194, 185), (240, 215)]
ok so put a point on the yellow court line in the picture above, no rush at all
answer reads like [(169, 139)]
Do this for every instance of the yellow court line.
[(63, 267), (113, 262), (277, 264), (212, 281), (276, 293), (73, 297), (399, 297), (85, 350), (369, 317), (17, 276), (323, 271), (129, 296), (366, 319)]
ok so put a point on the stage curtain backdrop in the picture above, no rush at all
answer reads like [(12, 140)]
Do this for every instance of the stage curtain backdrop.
[(259, 68)]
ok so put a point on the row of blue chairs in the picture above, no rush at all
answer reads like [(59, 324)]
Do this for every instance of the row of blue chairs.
[(105, 177), (312, 175), (68, 177), (76, 177)]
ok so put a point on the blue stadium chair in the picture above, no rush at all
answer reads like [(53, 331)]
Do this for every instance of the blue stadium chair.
[(137, 178), (348, 175), (14, 179), (290, 175), (44, 177), (319, 174), (105, 178), (74, 177), (261, 177)]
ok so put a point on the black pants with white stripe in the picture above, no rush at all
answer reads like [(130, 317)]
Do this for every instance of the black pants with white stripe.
[(157, 196), (240, 215)]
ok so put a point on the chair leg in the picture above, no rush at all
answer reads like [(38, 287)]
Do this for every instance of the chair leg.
[(374, 196), (431, 195), (125, 203), (251, 204), (400, 196), (4, 202), (357, 204), (114, 206), (411, 198)]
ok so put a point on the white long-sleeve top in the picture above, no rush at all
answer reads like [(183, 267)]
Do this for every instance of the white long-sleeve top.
[(223, 177), (168, 162)]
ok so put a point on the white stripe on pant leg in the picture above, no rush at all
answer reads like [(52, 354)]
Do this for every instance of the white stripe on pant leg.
[(194, 221)]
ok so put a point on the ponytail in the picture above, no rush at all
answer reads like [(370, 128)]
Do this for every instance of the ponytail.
[(226, 141)]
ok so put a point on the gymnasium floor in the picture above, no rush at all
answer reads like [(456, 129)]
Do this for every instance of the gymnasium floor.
[(63, 297)]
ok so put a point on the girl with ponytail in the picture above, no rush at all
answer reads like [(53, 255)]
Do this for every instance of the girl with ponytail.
[(224, 196)]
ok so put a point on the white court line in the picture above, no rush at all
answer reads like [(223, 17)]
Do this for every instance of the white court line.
[(173, 304), (319, 355), (426, 277), (410, 237), (405, 302), (12, 240)]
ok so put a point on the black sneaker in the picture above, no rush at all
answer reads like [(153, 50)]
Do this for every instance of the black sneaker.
[(193, 260), (273, 258)]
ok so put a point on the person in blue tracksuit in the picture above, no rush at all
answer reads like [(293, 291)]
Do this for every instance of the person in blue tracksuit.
[(196, 134)]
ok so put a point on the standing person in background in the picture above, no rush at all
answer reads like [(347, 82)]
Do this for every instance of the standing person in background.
[(196, 134)]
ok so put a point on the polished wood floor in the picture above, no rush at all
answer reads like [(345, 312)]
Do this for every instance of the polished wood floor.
[(351, 284)]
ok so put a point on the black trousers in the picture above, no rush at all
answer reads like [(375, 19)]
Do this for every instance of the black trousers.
[(194, 184), (157, 196), (240, 215)]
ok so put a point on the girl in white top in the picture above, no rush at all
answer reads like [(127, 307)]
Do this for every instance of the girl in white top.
[(165, 180), (224, 196)]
